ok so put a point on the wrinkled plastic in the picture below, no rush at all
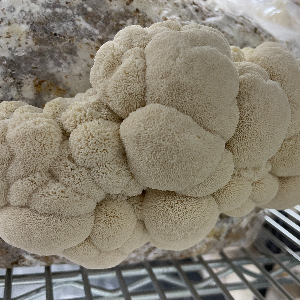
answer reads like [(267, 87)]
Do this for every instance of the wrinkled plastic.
[(279, 17)]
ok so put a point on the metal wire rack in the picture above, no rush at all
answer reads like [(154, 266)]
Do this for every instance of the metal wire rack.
[(272, 261)]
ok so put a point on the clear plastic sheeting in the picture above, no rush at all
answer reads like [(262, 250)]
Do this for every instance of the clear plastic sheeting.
[(281, 18)]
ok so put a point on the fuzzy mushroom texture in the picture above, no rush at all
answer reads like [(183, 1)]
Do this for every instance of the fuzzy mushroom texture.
[(79, 179), (177, 222), (3, 192), (218, 179), (7, 108), (86, 109), (5, 152), (264, 190), (181, 73), (58, 200), (97, 145), (255, 173), (234, 194), (20, 191), (287, 195), (168, 150), (88, 255), (119, 78), (43, 234), (55, 108), (264, 185), (115, 234), (137, 204), (237, 54), (173, 66), (177, 128), (242, 210), (265, 116), (5, 159), (114, 224), (286, 161), (34, 141), (282, 67)]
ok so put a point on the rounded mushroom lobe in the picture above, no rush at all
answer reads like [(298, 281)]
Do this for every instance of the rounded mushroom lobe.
[(242, 210), (218, 179), (168, 150), (264, 190), (35, 142), (234, 194), (177, 222), (282, 67), (59, 200), (95, 143), (286, 161), (287, 195), (88, 255), (43, 234), (114, 223), (192, 71), (265, 115)]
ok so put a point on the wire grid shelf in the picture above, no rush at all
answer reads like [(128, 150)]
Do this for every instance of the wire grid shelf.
[(272, 260)]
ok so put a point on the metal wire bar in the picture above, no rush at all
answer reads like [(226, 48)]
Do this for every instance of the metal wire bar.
[(171, 279), (273, 273), (154, 281), (285, 219), (249, 273), (132, 270), (38, 278), (177, 282), (241, 276), (100, 298), (122, 283), (138, 284), (261, 247), (179, 294), (186, 280), (280, 244), (287, 234), (210, 280), (117, 293), (216, 279), (95, 290), (292, 214), (297, 207), (262, 283), (86, 283), (278, 286), (49, 287), (8, 284), (34, 294), (103, 292)]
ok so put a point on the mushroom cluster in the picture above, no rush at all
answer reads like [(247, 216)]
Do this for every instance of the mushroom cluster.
[(177, 128)]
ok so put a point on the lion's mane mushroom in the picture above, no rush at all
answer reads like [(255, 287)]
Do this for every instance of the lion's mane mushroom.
[(177, 128)]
